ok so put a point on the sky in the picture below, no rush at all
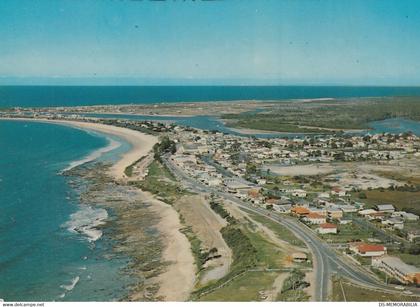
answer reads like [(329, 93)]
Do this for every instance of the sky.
[(232, 42)]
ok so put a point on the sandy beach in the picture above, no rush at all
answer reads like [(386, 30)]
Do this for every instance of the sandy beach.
[(177, 281), (141, 143)]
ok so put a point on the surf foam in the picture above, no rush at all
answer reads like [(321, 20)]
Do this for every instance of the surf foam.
[(112, 144), (85, 221)]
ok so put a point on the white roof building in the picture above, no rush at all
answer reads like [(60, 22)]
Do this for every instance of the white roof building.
[(385, 208)]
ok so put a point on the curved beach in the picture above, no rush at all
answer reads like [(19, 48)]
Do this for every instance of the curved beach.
[(177, 280)]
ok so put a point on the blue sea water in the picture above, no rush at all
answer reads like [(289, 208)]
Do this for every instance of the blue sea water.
[(27, 96), (40, 259)]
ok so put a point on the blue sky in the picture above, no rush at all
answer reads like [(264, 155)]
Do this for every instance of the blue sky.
[(354, 42)]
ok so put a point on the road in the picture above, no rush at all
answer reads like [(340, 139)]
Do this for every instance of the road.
[(326, 259)]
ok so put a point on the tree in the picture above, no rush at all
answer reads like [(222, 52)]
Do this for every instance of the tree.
[(362, 195)]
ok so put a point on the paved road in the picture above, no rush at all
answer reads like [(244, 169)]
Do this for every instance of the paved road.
[(326, 259)]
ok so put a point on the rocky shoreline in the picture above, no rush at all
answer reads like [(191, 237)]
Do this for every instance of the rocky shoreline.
[(131, 227)]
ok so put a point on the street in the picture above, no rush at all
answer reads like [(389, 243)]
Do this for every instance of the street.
[(326, 260)]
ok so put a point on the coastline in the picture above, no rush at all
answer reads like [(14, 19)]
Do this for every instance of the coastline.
[(177, 250), (177, 281)]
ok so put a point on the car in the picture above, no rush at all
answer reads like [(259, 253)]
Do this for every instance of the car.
[(407, 292), (399, 288)]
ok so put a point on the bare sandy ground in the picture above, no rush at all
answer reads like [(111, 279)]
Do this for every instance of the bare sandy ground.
[(301, 170), (206, 224), (276, 288), (310, 278), (177, 282), (361, 175)]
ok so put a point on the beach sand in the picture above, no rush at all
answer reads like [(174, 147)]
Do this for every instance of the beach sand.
[(141, 144), (177, 281)]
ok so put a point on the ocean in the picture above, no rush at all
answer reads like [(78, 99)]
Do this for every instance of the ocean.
[(42, 96), (42, 257)]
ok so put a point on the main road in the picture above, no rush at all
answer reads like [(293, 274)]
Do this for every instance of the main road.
[(326, 259)]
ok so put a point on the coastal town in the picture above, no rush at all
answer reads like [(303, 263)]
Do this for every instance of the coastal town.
[(239, 166), (320, 183)]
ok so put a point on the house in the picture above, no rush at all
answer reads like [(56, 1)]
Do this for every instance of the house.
[(188, 148), (411, 217), (253, 193), (335, 213), (393, 266), (297, 192), (324, 195), (366, 212), (338, 192), (327, 228), (395, 222), (286, 208), (413, 235), (300, 211), (315, 218), (367, 250), (233, 185), (376, 216), (261, 181), (388, 208), (348, 208), (299, 257), (214, 182), (320, 211)]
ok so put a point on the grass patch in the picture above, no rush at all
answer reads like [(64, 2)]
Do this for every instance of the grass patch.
[(250, 251), (200, 256), (292, 290), (336, 114), (347, 233), (409, 259), (244, 289), (244, 258), (161, 182), (281, 231), (129, 169), (402, 200), (355, 293), (293, 296)]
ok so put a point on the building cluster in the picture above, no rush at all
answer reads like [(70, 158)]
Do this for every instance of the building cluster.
[(389, 217), (223, 162)]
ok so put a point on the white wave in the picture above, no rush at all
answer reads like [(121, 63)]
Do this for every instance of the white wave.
[(85, 222), (112, 144), (72, 284)]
